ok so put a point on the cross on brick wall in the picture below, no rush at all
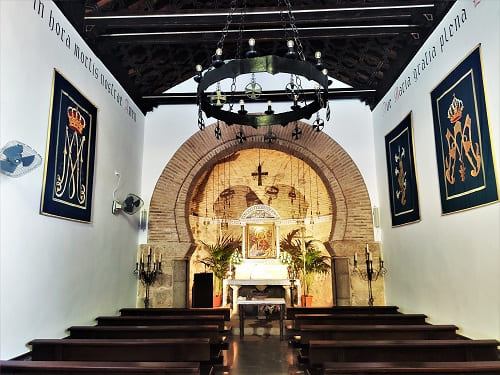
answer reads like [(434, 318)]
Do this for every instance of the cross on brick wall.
[(259, 175)]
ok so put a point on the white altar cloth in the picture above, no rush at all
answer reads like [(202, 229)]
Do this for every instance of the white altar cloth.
[(235, 285)]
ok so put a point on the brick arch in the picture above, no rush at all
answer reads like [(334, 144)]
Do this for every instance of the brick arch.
[(169, 216)]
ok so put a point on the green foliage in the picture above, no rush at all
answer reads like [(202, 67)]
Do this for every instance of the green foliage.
[(306, 259), (219, 258)]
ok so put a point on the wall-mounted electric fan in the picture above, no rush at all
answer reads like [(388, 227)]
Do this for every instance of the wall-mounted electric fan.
[(130, 205), (17, 159)]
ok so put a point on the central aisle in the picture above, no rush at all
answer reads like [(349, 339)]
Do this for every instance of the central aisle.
[(254, 355)]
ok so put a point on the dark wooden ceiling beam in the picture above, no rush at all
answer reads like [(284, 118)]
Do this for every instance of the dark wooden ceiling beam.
[(261, 17), (260, 35), (275, 96)]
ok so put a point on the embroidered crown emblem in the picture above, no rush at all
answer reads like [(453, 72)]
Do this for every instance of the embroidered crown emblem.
[(76, 120), (455, 109)]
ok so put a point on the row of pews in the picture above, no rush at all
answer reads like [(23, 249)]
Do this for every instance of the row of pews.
[(380, 340), (139, 341)]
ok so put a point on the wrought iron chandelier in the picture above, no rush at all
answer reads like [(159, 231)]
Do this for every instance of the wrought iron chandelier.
[(304, 103)]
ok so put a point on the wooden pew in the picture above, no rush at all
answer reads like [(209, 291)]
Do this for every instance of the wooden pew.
[(96, 368), (121, 350), (376, 332), (358, 319), (370, 332), (217, 339), (177, 311), (292, 311), (162, 320), (411, 368), (321, 351)]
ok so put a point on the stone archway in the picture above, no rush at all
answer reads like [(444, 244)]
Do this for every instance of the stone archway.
[(169, 229)]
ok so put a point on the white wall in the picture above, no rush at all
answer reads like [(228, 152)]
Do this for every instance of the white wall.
[(447, 267), (56, 273), (167, 127)]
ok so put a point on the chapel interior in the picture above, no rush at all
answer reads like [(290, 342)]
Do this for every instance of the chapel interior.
[(330, 207)]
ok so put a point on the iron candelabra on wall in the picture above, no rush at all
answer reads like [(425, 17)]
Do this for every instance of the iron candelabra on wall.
[(370, 274), (148, 272)]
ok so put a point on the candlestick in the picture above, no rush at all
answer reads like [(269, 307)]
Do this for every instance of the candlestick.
[(148, 272), (370, 274)]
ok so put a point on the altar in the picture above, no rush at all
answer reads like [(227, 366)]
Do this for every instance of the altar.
[(260, 266), (236, 284)]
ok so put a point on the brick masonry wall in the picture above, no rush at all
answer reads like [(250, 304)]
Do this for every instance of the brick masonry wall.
[(169, 227)]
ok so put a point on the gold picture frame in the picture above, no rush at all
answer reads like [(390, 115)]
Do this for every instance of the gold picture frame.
[(261, 243)]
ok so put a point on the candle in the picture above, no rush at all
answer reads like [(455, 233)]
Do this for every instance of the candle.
[(160, 257), (142, 257), (367, 251), (355, 257), (154, 258)]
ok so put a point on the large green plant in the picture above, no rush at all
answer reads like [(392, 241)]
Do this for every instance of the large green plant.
[(306, 259), (218, 259)]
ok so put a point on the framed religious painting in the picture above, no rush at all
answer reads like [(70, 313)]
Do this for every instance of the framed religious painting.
[(261, 243), (401, 171), (69, 159), (466, 169)]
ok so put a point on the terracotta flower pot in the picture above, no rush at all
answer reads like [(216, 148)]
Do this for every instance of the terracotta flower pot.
[(306, 301), (217, 301)]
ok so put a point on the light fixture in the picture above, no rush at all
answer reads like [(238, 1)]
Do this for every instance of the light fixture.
[(222, 106)]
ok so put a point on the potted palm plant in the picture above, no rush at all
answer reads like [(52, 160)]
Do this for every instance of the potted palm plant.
[(218, 260), (306, 260)]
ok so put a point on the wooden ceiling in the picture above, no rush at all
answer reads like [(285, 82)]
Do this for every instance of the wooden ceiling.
[(153, 45)]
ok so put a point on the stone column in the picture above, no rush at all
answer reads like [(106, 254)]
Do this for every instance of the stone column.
[(235, 289), (288, 295), (243, 240), (224, 292)]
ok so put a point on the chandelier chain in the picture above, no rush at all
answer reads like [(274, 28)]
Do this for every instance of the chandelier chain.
[(233, 92), (283, 20), (241, 29), (225, 30), (298, 43)]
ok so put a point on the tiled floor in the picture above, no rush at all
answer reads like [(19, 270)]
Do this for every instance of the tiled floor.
[(254, 355), (259, 353)]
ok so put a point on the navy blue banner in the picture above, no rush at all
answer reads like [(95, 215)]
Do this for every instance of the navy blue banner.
[(69, 160), (463, 147), (403, 192)]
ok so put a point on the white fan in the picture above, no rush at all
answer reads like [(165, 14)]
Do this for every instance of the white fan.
[(17, 159), (130, 205)]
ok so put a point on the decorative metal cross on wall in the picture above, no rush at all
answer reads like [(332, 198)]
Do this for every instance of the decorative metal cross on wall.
[(259, 175)]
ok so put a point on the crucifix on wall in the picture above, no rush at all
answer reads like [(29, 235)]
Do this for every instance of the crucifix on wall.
[(259, 173)]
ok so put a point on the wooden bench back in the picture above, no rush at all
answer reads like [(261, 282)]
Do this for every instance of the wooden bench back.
[(96, 368), (145, 332), (162, 320), (401, 350), (173, 350), (357, 319), (177, 311), (376, 332), (413, 368), (292, 311)]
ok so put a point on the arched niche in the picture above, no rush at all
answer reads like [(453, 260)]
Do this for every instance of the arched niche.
[(169, 229)]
